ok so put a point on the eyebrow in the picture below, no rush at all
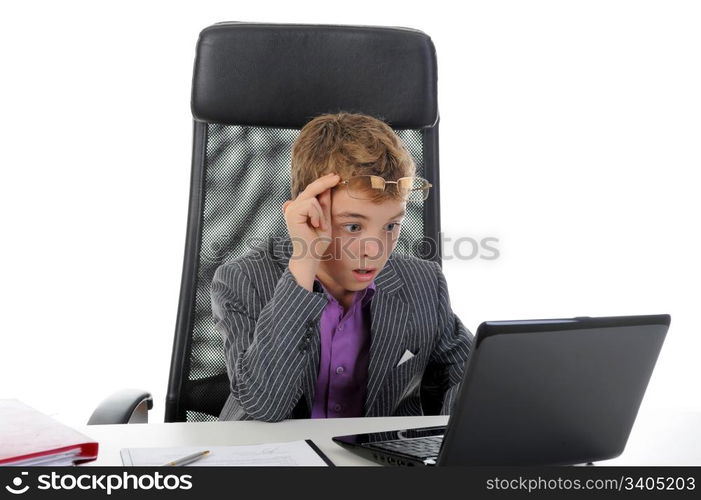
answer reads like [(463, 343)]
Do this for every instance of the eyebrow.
[(351, 215)]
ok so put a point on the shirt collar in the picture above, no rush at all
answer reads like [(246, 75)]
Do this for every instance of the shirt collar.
[(369, 292)]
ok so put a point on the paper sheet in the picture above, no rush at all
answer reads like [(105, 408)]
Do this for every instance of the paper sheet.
[(280, 454), (58, 460)]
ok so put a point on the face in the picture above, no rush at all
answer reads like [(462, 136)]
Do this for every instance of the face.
[(364, 236)]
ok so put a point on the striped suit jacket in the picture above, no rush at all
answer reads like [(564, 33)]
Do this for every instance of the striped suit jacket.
[(270, 328)]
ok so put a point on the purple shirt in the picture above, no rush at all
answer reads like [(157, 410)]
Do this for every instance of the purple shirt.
[(343, 363)]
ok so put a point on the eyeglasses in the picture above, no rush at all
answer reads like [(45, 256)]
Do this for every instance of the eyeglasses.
[(368, 187)]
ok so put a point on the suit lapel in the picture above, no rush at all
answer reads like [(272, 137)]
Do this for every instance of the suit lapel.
[(390, 315)]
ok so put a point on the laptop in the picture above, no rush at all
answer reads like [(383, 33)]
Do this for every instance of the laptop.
[(536, 392)]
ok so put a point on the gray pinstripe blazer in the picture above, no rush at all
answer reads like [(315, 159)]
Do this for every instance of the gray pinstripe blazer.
[(270, 328)]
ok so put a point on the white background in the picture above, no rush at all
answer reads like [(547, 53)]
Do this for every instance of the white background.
[(569, 130)]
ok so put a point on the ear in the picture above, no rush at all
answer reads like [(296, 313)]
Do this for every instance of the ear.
[(284, 206)]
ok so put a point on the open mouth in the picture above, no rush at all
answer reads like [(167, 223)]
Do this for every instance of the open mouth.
[(364, 273)]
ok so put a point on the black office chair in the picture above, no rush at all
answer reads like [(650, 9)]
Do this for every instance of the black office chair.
[(255, 85)]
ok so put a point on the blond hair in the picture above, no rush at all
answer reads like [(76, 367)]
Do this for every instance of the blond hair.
[(348, 144)]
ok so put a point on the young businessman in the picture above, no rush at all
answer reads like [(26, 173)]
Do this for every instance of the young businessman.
[(329, 322)]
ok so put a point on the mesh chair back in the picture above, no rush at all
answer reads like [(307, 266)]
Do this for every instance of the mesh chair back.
[(254, 86)]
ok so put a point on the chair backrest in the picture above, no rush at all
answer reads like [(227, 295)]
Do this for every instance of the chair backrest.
[(254, 87)]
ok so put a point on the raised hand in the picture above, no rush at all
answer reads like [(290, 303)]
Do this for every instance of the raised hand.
[(308, 220)]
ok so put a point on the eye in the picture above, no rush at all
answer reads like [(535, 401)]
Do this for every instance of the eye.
[(354, 225)]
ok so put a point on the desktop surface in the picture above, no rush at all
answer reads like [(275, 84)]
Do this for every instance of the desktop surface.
[(659, 437)]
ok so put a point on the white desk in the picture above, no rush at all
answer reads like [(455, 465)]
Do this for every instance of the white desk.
[(658, 438)]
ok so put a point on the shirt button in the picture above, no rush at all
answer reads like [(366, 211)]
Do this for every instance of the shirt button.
[(340, 327), (339, 370), (337, 408)]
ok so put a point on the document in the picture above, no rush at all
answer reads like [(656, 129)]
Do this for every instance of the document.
[(29, 438), (64, 459), (294, 453)]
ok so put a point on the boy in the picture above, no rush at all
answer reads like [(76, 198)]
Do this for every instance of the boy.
[(329, 322)]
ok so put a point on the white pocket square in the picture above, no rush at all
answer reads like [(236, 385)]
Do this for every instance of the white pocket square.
[(405, 357)]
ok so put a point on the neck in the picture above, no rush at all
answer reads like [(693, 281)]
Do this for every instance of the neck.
[(343, 296)]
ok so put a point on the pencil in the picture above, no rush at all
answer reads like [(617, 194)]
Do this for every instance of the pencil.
[(187, 459)]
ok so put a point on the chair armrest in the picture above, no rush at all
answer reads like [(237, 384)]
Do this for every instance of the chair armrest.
[(128, 406)]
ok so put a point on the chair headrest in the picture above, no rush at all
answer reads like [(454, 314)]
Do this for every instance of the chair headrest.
[(283, 75)]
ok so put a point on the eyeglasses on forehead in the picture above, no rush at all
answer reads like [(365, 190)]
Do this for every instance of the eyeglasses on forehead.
[(366, 187)]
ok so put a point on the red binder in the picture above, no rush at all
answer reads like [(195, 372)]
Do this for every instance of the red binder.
[(29, 438)]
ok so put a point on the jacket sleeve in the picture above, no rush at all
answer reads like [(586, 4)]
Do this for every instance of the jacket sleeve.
[(266, 354), (447, 361)]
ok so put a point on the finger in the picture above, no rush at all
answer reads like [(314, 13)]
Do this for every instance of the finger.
[(325, 202), (310, 212), (320, 185), (317, 211)]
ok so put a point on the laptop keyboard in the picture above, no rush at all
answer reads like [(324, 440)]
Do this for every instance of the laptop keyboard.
[(420, 447)]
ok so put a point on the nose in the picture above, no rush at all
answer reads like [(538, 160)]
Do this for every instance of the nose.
[(371, 249)]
